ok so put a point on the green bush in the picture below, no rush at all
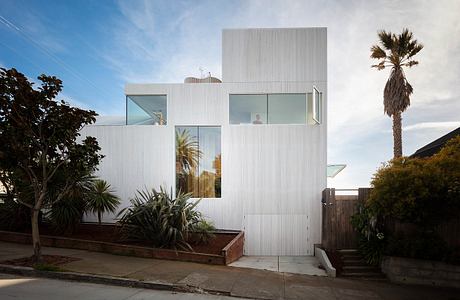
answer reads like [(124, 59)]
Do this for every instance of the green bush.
[(65, 215), (157, 218), (422, 192), (425, 192), (371, 237)]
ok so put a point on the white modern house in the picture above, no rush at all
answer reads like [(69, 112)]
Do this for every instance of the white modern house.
[(260, 133)]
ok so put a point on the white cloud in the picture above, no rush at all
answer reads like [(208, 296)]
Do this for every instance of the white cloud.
[(432, 125)]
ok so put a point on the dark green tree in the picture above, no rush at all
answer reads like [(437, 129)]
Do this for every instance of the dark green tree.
[(39, 140)]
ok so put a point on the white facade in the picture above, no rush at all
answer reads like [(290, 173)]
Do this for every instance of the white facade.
[(272, 174)]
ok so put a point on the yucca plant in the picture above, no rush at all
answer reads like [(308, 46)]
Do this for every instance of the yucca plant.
[(101, 199), (64, 215), (165, 222)]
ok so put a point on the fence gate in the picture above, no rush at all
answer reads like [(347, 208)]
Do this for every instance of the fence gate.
[(337, 232)]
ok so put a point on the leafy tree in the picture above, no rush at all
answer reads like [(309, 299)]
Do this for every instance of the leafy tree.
[(40, 138), (101, 199), (396, 51)]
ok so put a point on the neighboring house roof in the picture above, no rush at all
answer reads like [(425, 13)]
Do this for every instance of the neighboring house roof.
[(435, 146)]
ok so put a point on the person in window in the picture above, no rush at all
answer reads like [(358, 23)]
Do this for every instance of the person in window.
[(257, 120)]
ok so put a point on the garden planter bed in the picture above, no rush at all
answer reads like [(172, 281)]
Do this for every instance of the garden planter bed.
[(226, 247)]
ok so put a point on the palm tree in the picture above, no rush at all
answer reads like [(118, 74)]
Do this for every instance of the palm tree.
[(101, 199), (396, 51)]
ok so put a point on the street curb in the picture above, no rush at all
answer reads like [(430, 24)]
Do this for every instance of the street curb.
[(97, 279)]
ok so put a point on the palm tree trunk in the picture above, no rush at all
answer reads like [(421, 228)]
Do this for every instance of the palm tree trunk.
[(397, 135), (99, 218)]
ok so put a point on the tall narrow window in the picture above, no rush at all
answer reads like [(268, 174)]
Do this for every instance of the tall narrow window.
[(198, 161), (146, 110)]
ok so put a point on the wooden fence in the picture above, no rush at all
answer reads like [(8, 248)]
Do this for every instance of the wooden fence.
[(337, 232)]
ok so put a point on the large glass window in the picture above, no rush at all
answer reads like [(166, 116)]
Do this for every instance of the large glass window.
[(268, 109), (146, 110), (198, 161), (287, 109), (248, 109)]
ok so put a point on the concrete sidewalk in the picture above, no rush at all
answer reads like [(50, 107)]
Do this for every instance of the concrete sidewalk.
[(248, 283)]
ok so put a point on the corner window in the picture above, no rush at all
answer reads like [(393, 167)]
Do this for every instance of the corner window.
[(146, 110), (198, 161)]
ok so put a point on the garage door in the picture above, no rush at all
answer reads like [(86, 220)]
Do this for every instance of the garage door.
[(277, 235)]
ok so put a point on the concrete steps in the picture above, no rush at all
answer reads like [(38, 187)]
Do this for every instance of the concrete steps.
[(354, 266)]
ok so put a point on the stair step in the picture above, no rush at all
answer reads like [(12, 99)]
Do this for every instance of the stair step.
[(351, 256), (363, 274), (344, 251), (356, 269)]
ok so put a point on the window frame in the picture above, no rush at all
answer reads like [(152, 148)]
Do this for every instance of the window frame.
[(198, 141), (317, 109), (268, 108)]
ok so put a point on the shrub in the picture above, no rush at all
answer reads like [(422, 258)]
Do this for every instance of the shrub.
[(371, 237), (101, 199), (425, 192), (155, 217), (65, 215)]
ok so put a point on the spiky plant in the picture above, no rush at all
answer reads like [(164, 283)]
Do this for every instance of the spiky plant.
[(396, 52), (165, 222), (102, 199)]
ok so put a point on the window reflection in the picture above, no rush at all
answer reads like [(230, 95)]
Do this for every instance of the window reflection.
[(268, 109), (146, 110), (198, 161), (248, 109), (287, 109)]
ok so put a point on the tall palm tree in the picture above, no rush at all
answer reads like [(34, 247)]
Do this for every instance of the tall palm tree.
[(396, 51), (101, 199)]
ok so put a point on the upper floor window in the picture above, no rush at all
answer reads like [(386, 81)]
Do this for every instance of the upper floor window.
[(146, 110), (276, 108)]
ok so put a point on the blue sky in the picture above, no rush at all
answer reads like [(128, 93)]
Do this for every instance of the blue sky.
[(96, 47)]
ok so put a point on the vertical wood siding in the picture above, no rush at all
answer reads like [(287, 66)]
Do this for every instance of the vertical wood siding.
[(272, 175)]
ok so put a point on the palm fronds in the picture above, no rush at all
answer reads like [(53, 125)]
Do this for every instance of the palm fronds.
[(101, 199)]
